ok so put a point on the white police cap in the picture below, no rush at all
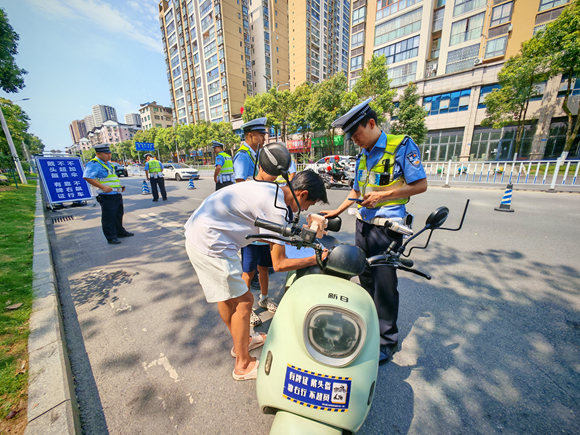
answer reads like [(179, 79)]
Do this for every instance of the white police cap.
[(102, 148), (349, 122), (258, 124)]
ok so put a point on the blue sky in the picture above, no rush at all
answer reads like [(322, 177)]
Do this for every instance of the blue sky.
[(79, 53)]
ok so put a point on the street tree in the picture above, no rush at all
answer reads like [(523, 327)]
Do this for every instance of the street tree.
[(17, 122), (374, 82), (223, 133), (561, 47), (11, 76), (300, 106), (411, 116), (518, 80)]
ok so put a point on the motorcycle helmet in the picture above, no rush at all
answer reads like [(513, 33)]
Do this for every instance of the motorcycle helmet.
[(326, 159), (329, 168), (336, 158)]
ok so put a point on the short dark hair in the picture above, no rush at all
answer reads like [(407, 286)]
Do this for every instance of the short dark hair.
[(371, 115), (312, 183)]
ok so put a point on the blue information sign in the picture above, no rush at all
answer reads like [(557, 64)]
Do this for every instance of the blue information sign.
[(144, 146), (63, 179), (315, 390)]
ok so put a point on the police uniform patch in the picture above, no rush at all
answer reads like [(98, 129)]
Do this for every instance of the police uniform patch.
[(413, 158)]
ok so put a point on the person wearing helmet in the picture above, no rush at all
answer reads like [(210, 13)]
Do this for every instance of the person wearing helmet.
[(337, 169)]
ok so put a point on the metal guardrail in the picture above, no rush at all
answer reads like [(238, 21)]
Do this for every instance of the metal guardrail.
[(536, 172)]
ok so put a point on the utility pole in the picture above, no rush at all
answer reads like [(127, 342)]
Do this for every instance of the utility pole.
[(23, 179)]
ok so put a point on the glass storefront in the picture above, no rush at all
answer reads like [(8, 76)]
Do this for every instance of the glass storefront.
[(489, 144), (557, 141), (442, 146)]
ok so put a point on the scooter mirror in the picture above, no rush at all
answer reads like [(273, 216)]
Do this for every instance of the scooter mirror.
[(437, 218), (275, 158)]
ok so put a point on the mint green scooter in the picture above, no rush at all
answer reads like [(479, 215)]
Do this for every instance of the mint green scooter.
[(319, 365)]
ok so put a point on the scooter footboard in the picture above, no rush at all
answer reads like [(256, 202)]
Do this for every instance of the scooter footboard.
[(286, 423)]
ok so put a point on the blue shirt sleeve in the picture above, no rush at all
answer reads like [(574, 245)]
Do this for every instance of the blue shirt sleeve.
[(409, 160), (94, 170), (147, 166), (242, 166), (292, 168), (219, 160), (355, 186)]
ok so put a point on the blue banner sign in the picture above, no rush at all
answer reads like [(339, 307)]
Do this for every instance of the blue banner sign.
[(315, 390), (144, 146), (63, 179)]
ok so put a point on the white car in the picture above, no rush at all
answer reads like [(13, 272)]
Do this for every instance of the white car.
[(179, 172), (347, 161)]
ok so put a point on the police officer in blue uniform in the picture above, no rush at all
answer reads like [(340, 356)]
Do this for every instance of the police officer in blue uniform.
[(245, 157), (100, 174), (388, 172), (224, 166)]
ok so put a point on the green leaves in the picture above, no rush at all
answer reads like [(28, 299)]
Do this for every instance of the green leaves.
[(375, 83), (11, 79), (411, 116)]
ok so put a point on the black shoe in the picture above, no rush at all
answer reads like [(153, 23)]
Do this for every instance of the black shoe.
[(387, 353), (255, 284), (164, 199), (114, 241), (155, 200), (127, 234)]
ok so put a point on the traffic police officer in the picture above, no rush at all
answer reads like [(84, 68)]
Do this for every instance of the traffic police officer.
[(245, 158), (154, 173), (100, 174), (388, 172), (224, 166)]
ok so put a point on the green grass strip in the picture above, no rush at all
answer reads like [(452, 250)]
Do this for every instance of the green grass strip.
[(17, 208)]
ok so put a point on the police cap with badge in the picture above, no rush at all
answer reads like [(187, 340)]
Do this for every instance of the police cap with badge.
[(257, 125), (350, 121), (102, 148), (215, 143)]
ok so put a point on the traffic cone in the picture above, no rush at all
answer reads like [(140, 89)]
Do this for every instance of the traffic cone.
[(507, 200), (191, 185), (145, 190)]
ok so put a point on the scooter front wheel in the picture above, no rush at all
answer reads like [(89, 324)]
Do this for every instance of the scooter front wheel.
[(286, 423)]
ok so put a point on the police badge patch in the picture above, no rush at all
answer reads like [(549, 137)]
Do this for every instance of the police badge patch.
[(413, 158)]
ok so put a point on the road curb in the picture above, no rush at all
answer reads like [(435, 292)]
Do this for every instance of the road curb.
[(52, 405)]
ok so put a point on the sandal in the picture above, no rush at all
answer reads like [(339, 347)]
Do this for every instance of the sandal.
[(268, 304), (257, 340), (252, 374), (255, 319)]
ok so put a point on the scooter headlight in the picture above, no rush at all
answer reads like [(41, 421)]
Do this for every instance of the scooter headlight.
[(333, 336)]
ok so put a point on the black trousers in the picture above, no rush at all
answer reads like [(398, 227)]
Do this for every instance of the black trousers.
[(112, 215), (380, 282), (219, 186), (158, 182)]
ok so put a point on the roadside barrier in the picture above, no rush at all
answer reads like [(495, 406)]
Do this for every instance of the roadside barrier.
[(549, 173), (506, 200), (191, 185), (145, 189)]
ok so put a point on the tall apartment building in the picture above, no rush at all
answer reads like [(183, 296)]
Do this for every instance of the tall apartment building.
[(111, 132), (77, 130), (269, 33), (103, 113), (89, 122), (453, 50), (207, 46), (133, 119), (318, 39), (154, 115)]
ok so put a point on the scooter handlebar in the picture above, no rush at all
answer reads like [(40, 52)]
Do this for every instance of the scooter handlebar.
[(273, 226)]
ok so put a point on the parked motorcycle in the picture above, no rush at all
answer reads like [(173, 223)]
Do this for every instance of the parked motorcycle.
[(322, 351), (330, 180)]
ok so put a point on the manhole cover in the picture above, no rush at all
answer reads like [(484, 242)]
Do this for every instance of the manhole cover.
[(59, 219)]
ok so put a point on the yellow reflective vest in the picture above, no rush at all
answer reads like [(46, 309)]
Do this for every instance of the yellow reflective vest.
[(111, 179)]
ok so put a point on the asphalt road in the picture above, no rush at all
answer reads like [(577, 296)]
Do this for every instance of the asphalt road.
[(489, 345)]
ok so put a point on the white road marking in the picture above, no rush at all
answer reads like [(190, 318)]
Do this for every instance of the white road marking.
[(163, 361)]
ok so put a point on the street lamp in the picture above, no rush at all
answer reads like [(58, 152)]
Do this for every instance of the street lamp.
[(23, 179)]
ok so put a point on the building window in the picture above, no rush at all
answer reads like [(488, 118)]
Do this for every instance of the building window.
[(575, 89), (398, 27), (402, 74), (400, 51), (496, 47), (549, 4), (483, 92), (358, 16), (357, 40), (467, 29), (463, 6), (501, 14), (389, 7), (435, 47), (442, 146), (356, 63), (447, 103), (462, 59)]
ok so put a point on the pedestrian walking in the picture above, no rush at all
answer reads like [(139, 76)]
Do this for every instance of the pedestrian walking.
[(224, 166), (388, 172), (154, 173), (100, 174)]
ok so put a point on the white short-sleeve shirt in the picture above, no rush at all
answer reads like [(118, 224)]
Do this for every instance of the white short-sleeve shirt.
[(219, 226)]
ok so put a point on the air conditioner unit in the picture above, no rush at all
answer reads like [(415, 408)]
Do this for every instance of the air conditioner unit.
[(478, 61)]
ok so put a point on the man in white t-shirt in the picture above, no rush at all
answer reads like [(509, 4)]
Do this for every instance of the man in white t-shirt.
[(215, 233)]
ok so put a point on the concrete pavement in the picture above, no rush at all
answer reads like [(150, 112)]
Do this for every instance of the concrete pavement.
[(490, 345)]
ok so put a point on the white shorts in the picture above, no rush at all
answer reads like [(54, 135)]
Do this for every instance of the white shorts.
[(220, 278)]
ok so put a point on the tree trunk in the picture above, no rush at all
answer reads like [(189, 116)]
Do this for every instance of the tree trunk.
[(569, 137)]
